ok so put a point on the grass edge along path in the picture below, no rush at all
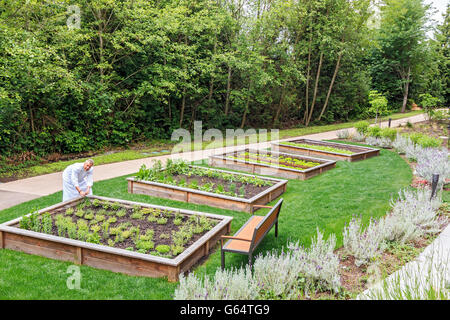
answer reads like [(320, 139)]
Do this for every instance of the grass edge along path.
[(327, 201), (126, 155)]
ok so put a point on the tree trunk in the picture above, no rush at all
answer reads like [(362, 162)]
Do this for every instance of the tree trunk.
[(305, 117), (183, 105), (280, 105), (211, 82), (316, 85), (244, 116), (331, 85), (227, 100), (405, 91), (183, 101)]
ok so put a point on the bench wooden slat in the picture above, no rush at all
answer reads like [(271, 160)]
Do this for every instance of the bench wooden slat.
[(246, 232), (248, 237)]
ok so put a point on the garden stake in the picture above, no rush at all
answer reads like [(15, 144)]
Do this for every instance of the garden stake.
[(434, 182)]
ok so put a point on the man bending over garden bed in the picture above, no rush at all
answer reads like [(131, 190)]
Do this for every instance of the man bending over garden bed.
[(78, 180)]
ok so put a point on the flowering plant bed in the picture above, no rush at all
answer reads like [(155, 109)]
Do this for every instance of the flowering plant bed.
[(117, 235), (326, 150), (200, 185), (283, 165)]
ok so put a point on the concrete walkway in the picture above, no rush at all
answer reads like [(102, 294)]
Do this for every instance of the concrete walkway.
[(16, 192)]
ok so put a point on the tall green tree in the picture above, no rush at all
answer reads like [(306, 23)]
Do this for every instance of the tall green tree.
[(400, 50)]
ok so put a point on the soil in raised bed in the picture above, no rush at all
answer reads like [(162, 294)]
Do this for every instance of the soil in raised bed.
[(279, 162), (250, 190), (312, 144), (166, 229)]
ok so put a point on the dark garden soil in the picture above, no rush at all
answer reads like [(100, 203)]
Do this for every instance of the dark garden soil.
[(162, 232), (354, 149), (279, 162), (250, 189)]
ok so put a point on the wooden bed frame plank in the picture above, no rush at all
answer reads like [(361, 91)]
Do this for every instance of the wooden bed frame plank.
[(108, 258)]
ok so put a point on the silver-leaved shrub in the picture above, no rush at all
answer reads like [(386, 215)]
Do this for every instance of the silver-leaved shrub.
[(433, 161), (379, 142), (412, 151), (358, 136), (343, 134), (284, 275), (363, 243), (232, 284), (413, 215), (401, 143), (321, 264)]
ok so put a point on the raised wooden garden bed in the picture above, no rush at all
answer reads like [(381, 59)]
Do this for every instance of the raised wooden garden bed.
[(128, 237), (212, 187), (326, 150), (272, 163)]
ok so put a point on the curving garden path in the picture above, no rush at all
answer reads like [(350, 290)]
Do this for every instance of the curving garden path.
[(19, 191)]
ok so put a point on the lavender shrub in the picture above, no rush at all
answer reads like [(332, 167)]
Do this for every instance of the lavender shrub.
[(431, 161), (363, 244), (233, 284), (413, 215), (275, 276), (401, 143), (382, 142)]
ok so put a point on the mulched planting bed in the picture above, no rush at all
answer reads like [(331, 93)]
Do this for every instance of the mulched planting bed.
[(284, 161), (227, 183), (155, 231), (219, 188), (117, 235), (326, 150), (265, 162), (430, 128)]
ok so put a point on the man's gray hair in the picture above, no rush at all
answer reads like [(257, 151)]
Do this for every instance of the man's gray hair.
[(90, 161)]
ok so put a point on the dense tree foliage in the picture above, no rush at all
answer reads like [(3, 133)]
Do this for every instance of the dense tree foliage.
[(86, 74)]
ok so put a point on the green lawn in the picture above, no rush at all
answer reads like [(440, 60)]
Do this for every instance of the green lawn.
[(327, 201), (152, 149)]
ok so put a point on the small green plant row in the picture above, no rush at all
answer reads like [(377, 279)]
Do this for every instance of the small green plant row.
[(418, 138), (281, 161), (85, 209), (181, 167), (318, 147), (167, 177), (281, 158), (233, 190), (102, 232)]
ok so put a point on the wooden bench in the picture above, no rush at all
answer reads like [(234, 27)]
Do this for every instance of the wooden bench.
[(248, 237)]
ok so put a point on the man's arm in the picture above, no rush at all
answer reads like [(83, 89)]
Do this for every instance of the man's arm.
[(75, 182)]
